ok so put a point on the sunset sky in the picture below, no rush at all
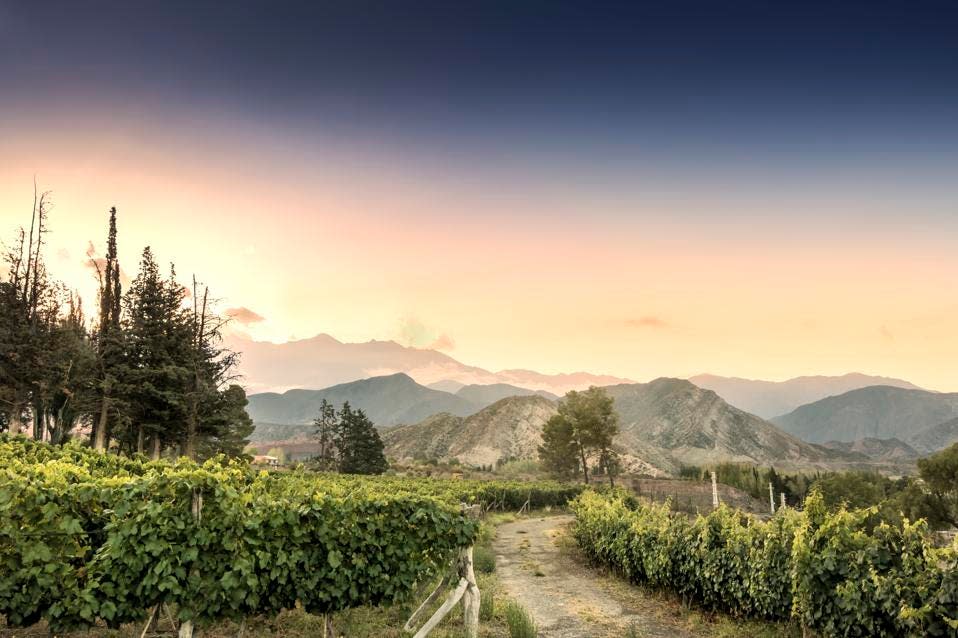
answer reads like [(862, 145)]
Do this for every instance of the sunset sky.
[(639, 189)]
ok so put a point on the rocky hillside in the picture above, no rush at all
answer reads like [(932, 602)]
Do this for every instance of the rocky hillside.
[(880, 412), (769, 399), (509, 428), (695, 426), (936, 437), (892, 450), (387, 400)]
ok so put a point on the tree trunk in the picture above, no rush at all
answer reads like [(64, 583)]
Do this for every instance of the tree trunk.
[(37, 423), (100, 443), (189, 445), (139, 440), (156, 448), (16, 419), (585, 465)]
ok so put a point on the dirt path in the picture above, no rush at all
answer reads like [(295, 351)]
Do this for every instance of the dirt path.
[(566, 599)]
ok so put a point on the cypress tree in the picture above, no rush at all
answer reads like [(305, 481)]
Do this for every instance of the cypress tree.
[(109, 338), (156, 367)]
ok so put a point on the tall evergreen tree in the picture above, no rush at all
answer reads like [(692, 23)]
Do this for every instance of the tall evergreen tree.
[(156, 366), (227, 427), (69, 392), (31, 320), (109, 337), (327, 432), (360, 447)]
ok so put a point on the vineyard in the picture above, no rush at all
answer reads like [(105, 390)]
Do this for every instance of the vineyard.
[(833, 572), (88, 538)]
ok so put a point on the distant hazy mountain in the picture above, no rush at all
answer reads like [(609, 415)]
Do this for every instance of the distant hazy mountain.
[(877, 449), (769, 399), (387, 400), (880, 412), (323, 361), (936, 437), (664, 424), (557, 384), (447, 385), (488, 394)]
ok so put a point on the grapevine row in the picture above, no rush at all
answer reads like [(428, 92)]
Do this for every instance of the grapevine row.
[(831, 571), (86, 537)]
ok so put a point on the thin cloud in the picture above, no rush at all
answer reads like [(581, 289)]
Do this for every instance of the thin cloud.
[(648, 321), (443, 342), (416, 334), (243, 315)]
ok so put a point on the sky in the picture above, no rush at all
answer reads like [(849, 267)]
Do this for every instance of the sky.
[(642, 189)]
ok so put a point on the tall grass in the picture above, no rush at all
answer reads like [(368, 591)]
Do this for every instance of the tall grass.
[(520, 622)]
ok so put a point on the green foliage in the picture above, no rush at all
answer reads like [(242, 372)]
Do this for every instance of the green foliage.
[(854, 489), (88, 537), (754, 480), (359, 446), (484, 559), (517, 467), (939, 474), (519, 621), (487, 606), (79, 545), (832, 570), (585, 425), (327, 432), (559, 453), (147, 371)]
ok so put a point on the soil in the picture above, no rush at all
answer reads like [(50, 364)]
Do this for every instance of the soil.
[(567, 599)]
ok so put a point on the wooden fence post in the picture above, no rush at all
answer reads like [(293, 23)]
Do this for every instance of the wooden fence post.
[(466, 590), (196, 507), (715, 501)]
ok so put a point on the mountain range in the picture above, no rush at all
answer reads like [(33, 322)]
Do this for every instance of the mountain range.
[(323, 361), (386, 400), (769, 399), (924, 420), (663, 424)]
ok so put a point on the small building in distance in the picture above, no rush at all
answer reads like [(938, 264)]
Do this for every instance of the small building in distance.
[(263, 459)]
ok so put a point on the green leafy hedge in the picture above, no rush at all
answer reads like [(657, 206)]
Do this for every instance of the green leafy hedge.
[(829, 571)]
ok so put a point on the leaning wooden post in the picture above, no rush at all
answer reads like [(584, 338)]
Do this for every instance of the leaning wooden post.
[(466, 590), (470, 603), (196, 507), (715, 502)]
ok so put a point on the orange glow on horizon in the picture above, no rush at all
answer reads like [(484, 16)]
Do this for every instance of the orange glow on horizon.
[(520, 274)]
